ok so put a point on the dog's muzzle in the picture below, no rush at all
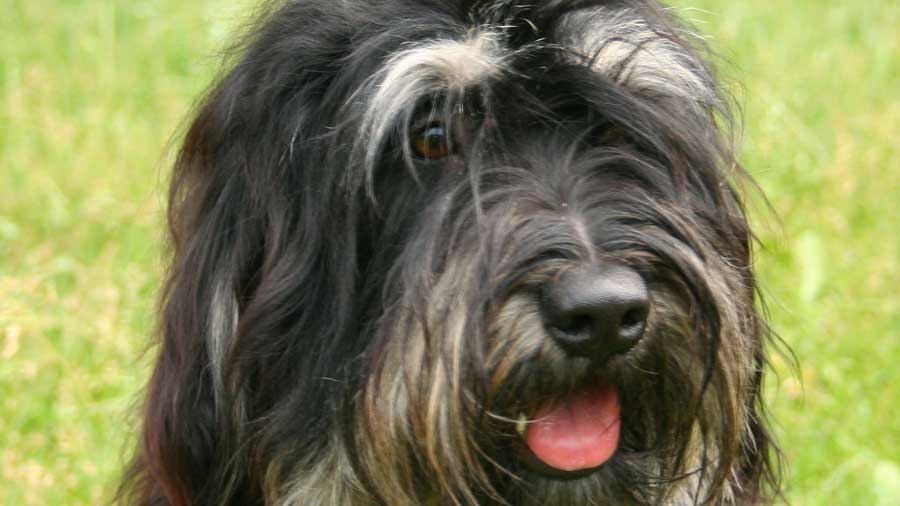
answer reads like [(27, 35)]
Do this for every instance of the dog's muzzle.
[(596, 312), (592, 312)]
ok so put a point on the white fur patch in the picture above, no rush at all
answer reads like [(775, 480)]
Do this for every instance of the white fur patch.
[(458, 63), (424, 70), (223, 320), (624, 46)]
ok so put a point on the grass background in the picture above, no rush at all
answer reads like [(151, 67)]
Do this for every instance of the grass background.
[(92, 90)]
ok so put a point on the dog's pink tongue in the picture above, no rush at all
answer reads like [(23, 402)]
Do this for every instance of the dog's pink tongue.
[(581, 432)]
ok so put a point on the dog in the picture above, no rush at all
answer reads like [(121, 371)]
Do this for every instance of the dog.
[(460, 252)]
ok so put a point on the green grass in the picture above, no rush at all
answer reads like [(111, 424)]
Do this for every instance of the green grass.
[(90, 92)]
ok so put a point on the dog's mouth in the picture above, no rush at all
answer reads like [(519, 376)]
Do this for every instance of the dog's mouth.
[(572, 436)]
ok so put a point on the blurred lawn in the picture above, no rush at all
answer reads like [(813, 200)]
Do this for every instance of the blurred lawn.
[(91, 90)]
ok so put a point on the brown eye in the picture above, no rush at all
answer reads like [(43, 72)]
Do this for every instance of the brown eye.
[(432, 143)]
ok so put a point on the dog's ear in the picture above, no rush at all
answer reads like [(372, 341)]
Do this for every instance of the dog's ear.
[(252, 292), (217, 237)]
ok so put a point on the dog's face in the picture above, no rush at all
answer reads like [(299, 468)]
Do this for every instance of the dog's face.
[(460, 253)]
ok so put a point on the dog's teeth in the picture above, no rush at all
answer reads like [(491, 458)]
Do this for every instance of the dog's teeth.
[(522, 424)]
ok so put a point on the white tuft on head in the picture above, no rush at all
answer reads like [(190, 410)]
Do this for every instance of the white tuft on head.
[(624, 46)]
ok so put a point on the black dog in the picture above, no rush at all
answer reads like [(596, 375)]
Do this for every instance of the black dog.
[(450, 252)]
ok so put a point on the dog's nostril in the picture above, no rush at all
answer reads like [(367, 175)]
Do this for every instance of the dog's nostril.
[(632, 318), (575, 325), (597, 311)]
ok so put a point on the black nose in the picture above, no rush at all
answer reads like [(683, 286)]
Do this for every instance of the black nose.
[(596, 312)]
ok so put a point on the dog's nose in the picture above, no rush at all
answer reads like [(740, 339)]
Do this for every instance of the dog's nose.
[(596, 312)]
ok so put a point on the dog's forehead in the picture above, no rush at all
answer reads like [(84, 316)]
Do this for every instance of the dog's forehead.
[(517, 55), (630, 46)]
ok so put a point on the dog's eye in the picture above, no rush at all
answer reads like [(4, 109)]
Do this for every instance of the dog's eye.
[(432, 143)]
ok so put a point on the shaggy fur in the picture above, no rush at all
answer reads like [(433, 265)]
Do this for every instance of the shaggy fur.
[(349, 323)]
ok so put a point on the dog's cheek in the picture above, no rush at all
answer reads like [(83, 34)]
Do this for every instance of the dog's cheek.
[(417, 406)]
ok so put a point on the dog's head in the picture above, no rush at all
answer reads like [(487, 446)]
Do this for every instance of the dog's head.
[(459, 252)]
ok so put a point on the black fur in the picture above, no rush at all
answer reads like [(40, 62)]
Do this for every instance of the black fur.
[(313, 252)]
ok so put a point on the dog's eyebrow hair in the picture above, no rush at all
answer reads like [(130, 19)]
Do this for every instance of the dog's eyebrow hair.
[(459, 62), (424, 70), (628, 48)]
